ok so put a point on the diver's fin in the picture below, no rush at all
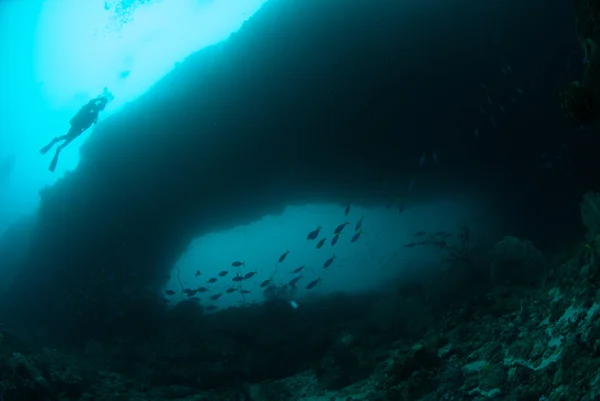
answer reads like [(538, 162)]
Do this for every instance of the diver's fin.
[(46, 148), (54, 161)]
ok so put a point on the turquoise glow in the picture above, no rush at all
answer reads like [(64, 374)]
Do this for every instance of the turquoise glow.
[(59, 54)]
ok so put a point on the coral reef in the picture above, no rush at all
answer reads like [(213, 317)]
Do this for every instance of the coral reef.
[(517, 340), (515, 261)]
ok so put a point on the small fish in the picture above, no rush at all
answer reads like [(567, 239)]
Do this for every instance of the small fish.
[(283, 256), (422, 159), (401, 206), (211, 280), (420, 233), (245, 292), (215, 297), (411, 184), (410, 245), (230, 290), (329, 261), (493, 121), (356, 236), (347, 211), (502, 110), (197, 273), (249, 275), (476, 133), (512, 98), (238, 264), (237, 278), (223, 273), (169, 292), (313, 234), (188, 291), (489, 99), (482, 110), (297, 270), (339, 228), (358, 225), (294, 280), (313, 283), (202, 289), (335, 239), (265, 283), (191, 293), (321, 243), (521, 91)]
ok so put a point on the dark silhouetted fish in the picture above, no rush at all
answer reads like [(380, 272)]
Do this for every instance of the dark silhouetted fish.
[(358, 225), (294, 280), (401, 206), (249, 275), (283, 256), (329, 261), (313, 234), (313, 283), (339, 228), (356, 236), (298, 270)]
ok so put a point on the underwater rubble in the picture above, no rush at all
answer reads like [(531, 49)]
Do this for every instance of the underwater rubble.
[(509, 339)]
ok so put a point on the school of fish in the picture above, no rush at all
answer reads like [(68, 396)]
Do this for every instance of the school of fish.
[(235, 283)]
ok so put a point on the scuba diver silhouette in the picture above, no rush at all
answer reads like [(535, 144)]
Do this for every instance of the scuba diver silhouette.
[(83, 120)]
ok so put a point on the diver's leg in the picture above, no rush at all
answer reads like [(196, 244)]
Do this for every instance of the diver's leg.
[(46, 148), (73, 133), (54, 162)]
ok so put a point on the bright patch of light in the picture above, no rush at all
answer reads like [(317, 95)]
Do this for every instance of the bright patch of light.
[(58, 54), (82, 47)]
